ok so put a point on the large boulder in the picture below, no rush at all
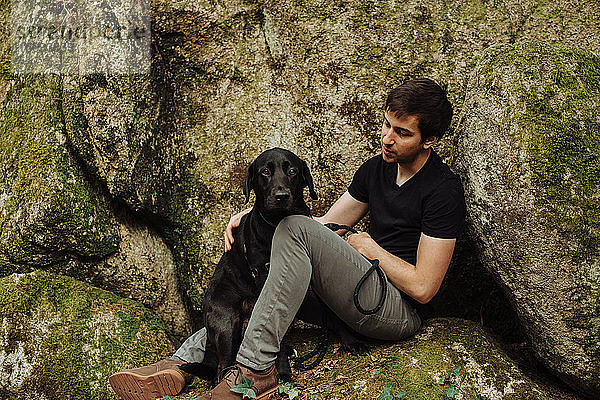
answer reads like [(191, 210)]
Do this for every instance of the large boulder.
[(55, 217), (49, 211), (62, 339), (529, 152), (231, 78), (446, 352), (312, 76)]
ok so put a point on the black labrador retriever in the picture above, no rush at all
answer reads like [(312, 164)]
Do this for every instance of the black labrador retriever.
[(278, 178)]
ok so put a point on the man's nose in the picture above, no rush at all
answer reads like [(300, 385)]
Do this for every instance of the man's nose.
[(387, 137)]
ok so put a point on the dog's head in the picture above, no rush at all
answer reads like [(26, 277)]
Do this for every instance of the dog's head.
[(278, 178)]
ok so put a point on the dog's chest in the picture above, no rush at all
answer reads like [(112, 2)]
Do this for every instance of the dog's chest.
[(258, 263)]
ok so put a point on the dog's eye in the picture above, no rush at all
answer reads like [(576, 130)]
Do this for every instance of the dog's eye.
[(265, 172), (292, 171)]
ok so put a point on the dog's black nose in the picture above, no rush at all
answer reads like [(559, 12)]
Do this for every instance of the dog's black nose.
[(281, 195)]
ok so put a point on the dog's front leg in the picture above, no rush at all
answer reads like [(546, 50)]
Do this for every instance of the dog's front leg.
[(225, 333)]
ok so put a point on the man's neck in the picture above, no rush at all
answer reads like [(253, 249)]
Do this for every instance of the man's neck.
[(408, 170)]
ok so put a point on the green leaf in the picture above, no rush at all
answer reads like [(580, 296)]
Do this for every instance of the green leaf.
[(451, 392), (387, 393), (289, 389), (401, 395), (442, 381), (245, 388), (455, 371)]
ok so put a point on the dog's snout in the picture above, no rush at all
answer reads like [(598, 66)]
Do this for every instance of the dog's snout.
[(282, 195)]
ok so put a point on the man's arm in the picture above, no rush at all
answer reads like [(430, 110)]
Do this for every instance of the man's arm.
[(345, 211), (421, 281)]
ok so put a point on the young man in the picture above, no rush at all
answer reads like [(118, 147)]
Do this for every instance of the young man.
[(417, 209)]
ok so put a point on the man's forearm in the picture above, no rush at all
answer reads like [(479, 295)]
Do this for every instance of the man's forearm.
[(402, 274), (420, 281)]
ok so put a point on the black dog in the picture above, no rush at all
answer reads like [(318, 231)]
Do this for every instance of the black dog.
[(278, 178)]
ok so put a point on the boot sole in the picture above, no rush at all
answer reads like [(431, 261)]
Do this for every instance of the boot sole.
[(131, 386)]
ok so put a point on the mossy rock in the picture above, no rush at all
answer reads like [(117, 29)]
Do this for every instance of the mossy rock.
[(312, 76), (55, 217), (416, 366), (50, 212), (62, 339), (528, 151), (231, 78)]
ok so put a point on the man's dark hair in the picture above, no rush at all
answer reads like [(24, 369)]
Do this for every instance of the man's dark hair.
[(425, 99)]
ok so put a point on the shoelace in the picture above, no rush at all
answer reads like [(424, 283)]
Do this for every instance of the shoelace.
[(231, 375)]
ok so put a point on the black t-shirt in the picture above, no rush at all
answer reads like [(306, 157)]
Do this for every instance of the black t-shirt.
[(430, 202)]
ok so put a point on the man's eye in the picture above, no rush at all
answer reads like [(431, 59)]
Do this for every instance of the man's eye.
[(265, 172), (292, 171)]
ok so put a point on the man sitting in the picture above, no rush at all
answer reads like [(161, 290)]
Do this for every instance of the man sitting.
[(417, 210)]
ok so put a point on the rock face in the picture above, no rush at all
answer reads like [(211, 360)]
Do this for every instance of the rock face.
[(49, 211), (61, 338), (529, 152), (102, 176), (416, 366), (312, 76), (55, 218), (231, 78)]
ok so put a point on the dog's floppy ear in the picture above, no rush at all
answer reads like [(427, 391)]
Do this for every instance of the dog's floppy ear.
[(249, 183), (308, 181)]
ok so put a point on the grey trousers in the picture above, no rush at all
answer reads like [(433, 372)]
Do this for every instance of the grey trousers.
[(303, 253)]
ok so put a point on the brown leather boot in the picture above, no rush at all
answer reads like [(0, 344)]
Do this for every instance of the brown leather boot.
[(265, 384), (163, 378)]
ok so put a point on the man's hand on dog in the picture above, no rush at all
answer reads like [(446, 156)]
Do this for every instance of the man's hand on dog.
[(234, 222)]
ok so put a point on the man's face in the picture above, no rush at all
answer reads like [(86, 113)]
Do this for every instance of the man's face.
[(401, 139)]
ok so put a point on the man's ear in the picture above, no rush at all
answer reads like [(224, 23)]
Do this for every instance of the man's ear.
[(308, 181), (430, 141), (249, 183)]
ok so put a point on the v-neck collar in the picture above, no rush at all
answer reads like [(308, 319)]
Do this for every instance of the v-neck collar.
[(392, 172)]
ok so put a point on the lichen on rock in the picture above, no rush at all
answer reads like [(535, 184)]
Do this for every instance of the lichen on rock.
[(528, 151), (50, 212), (60, 338), (416, 366)]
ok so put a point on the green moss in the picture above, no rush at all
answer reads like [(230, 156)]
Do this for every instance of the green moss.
[(52, 211), (414, 366), (76, 335), (556, 107)]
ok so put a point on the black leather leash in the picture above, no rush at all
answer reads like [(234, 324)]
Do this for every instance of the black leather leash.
[(319, 350), (374, 267), (321, 347)]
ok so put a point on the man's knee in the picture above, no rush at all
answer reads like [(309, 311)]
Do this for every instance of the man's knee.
[(294, 225)]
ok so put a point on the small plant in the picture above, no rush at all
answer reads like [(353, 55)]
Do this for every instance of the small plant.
[(245, 388), (453, 384), (289, 389), (389, 395)]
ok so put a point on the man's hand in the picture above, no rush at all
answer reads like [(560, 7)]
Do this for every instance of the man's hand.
[(364, 244), (234, 222)]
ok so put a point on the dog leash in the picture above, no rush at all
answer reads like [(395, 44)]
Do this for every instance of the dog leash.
[(374, 267), (321, 347)]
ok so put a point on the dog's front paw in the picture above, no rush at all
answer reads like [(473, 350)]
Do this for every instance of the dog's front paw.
[(285, 376), (356, 348)]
